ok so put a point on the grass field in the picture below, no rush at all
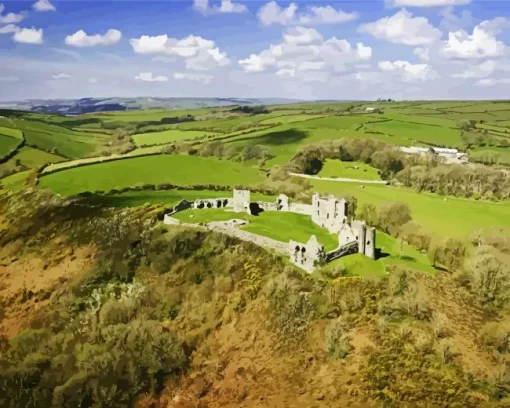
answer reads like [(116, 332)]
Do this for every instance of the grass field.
[(67, 142), (7, 144), (415, 133), (12, 132), (34, 158), (338, 168), (174, 169), (454, 217), (166, 197), (360, 265), (14, 182), (167, 136), (281, 226), (289, 119)]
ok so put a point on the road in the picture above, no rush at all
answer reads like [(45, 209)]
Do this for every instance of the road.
[(347, 180)]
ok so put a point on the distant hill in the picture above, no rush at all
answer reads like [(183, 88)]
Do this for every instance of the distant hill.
[(90, 105)]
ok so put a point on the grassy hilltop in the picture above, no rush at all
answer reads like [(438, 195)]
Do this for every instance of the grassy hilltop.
[(100, 301)]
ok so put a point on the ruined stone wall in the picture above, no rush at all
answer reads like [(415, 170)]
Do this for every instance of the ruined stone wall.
[(299, 208), (241, 200), (212, 203)]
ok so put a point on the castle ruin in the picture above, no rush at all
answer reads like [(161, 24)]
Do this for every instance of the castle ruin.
[(330, 213)]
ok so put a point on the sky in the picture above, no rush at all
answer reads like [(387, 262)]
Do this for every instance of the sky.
[(357, 49)]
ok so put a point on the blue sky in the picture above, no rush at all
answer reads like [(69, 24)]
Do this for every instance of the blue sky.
[(403, 49)]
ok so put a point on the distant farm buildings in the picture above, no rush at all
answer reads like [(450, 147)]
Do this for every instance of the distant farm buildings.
[(451, 156)]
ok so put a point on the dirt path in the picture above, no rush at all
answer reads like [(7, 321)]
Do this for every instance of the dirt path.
[(341, 179)]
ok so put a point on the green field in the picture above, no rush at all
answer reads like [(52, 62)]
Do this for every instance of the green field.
[(54, 138), (360, 265), (445, 216), (354, 170), (12, 132), (288, 119), (7, 144), (14, 182), (414, 133), (167, 136), (166, 197), (174, 169), (281, 226), (34, 158)]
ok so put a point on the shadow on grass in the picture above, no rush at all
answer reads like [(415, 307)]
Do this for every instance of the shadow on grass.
[(379, 254), (276, 138)]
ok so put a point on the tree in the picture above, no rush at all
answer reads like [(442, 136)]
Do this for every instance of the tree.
[(392, 215)]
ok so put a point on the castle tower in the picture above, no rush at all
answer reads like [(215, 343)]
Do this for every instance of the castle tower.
[(360, 230), (282, 203), (241, 201), (370, 243)]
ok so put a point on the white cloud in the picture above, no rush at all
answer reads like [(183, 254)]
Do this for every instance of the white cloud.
[(199, 54), (9, 79), (226, 6), (482, 43), (205, 79), (454, 22), (271, 13), (426, 3), (61, 76), (477, 71), (162, 58), (43, 5), (492, 81), (93, 81), (147, 77), (408, 72), (28, 36), (304, 49), (302, 36), (422, 53), (403, 28), (9, 28), (325, 15), (10, 17), (82, 39)]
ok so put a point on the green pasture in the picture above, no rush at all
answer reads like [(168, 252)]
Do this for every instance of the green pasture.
[(281, 226), (166, 197), (14, 182), (34, 158), (445, 216), (7, 144), (289, 119), (355, 170), (158, 138), (415, 133), (491, 155), (7, 122), (67, 142), (391, 253), (12, 132), (158, 169)]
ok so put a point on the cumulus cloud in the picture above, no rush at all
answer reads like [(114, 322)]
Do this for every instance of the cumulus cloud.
[(82, 39), (482, 43), (43, 5), (408, 72), (9, 79), (198, 53), (426, 3), (492, 81), (226, 6), (9, 28), (304, 49), (10, 17), (271, 13), (477, 71), (403, 28), (147, 77), (205, 79), (93, 81), (28, 36), (61, 76)]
